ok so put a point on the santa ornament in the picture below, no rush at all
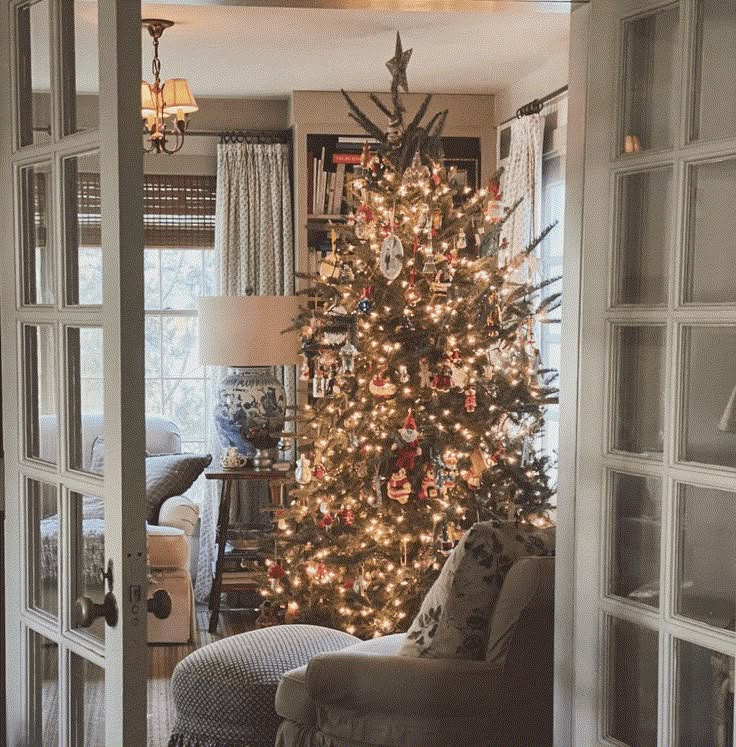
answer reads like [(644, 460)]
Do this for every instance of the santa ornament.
[(408, 443), (425, 374), (303, 471), (399, 487)]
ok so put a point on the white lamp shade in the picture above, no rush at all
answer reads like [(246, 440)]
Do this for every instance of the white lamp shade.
[(248, 331), (178, 98), (148, 106)]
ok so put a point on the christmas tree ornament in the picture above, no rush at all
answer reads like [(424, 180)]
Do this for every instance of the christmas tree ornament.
[(304, 369), (391, 258), (408, 443), (429, 266), (275, 573), (267, 617), (397, 66), (381, 387), (399, 487), (441, 283), (377, 484), (428, 489), (326, 522), (318, 468), (414, 175), (365, 304), (303, 471), (462, 240), (450, 461), (366, 157), (318, 382), (436, 220), (442, 380), (425, 373), (403, 374), (495, 209), (346, 516), (412, 294), (347, 357), (362, 222), (470, 400), (329, 267), (395, 132), (346, 275)]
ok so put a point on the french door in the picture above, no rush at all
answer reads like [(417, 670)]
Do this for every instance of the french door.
[(72, 373), (655, 599)]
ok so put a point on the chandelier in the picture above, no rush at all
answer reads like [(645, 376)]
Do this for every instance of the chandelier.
[(160, 101)]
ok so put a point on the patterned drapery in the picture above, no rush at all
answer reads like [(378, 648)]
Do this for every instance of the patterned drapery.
[(522, 179), (254, 242)]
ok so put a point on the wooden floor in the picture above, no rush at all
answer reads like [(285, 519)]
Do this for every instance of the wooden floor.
[(163, 658)]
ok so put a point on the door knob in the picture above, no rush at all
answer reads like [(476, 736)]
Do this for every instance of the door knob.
[(159, 605), (88, 611)]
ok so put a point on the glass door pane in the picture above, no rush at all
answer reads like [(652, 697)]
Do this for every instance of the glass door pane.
[(631, 701), (39, 396), (33, 72), (704, 706), (706, 575), (80, 67), (709, 401), (711, 232), (87, 522), (43, 690), (636, 523), (714, 85), (644, 236), (85, 371), (87, 702), (42, 557), (37, 254), (650, 46), (82, 230), (639, 354)]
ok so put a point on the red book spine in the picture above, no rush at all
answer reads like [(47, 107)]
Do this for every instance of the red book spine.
[(347, 158)]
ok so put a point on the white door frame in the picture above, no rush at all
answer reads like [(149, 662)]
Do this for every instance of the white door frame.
[(124, 655)]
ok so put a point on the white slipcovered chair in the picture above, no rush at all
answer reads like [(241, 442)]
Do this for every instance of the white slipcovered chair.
[(169, 542)]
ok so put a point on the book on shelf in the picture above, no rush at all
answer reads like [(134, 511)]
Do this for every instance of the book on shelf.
[(347, 158)]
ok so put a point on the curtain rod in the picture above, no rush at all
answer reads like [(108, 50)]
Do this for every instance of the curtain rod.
[(244, 136), (534, 107)]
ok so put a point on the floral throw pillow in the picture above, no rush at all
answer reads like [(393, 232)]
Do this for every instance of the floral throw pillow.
[(455, 616)]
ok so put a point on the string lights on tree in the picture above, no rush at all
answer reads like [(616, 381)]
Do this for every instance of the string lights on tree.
[(427, 416)]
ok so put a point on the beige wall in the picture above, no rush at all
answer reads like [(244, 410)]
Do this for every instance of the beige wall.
[(468, 116)]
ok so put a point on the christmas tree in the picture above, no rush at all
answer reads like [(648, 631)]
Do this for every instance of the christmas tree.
[(427, 388)]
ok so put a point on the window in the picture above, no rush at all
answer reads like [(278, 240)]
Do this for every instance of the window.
[(180, 266)]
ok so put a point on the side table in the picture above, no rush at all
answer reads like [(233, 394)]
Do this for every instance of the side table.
[(222, 580)]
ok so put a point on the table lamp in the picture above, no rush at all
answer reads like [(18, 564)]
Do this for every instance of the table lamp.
[(246, 334)]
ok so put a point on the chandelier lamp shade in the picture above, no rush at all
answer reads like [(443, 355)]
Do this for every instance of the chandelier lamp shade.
[(165, 106)]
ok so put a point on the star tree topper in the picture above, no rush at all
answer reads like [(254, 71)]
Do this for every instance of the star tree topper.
[(397, 66)]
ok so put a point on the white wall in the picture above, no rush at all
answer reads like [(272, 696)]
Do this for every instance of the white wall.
[(550, 76)]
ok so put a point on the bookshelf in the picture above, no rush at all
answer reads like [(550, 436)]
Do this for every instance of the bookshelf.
[(330, 162)]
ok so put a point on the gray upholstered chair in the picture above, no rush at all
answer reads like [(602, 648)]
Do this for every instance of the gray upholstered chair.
[(368, 695)]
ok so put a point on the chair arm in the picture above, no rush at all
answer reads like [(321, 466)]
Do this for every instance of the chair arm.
[(403, 685), (178, 511)]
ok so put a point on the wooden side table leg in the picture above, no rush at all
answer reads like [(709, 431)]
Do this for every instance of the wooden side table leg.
[(223, 523)]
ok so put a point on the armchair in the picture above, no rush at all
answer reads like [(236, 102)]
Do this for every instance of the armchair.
[(367, 694)]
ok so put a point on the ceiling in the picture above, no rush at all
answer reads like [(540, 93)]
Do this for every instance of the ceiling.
[(238, 51)]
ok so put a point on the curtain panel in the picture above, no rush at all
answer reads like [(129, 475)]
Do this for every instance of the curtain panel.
[(522, 180), (254, 243)]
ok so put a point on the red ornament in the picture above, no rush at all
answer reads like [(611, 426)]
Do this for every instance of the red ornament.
[(321, 570), (327, 521), (348, 584), (276, 570), (346, 516)]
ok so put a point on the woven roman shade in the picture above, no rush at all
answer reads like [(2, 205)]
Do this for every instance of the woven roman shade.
[(178, 211)]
